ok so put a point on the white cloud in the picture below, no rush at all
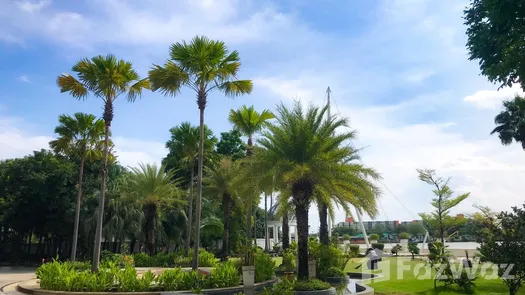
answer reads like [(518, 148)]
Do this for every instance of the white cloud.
[(33, 6), (396, 149), (490, 99), (24, 78), (17, 140)]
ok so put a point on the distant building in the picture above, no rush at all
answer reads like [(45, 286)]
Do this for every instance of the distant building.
[(349, 222)]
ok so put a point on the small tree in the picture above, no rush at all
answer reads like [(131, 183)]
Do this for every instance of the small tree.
[(396, 249), (440, 221), (413, 249), (373, 237), (503, 245), (346, 237), (404, 236)]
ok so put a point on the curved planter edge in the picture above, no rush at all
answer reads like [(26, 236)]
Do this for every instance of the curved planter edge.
[(337, 280), (330, 291), (219, 291)]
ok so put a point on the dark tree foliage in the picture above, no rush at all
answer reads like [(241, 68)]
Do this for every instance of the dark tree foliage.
[(37, 206), (231, 144), (511, 122), (503, 245), (496, 38)]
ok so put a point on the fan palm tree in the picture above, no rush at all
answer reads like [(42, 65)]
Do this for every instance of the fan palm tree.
[(184, 153), (511, 122), (106, 78), (249, 121), (80, 136), (152, 187), (202, 65), (220, 184), (305, 154)]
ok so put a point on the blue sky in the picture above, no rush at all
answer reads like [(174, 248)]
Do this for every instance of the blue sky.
[(397, 68)]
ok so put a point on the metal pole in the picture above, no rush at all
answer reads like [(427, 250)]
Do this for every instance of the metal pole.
[(362, 227), (328, 91)]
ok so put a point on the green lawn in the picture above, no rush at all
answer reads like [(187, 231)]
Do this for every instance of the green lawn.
[(397, 281)]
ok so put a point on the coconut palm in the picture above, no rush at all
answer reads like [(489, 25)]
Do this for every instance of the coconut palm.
[(220, 184), (106, 78), (202, 65), (78, 136), (305, 154), (183, 155), (511, 122), (249, 122), (152, 187)]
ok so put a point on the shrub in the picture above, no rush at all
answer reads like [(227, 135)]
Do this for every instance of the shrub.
[(404, 236), (287, 287), (354, 250), (330, 256), (170, 279), (264, 267), (346, 237), (207, 259), (378, 246), (182, 261), (142, 260), (373, 237), (289, 260), (331, 272), (310, 285), (224, 275)]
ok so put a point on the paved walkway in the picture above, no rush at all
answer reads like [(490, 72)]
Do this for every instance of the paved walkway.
[(11, 275)]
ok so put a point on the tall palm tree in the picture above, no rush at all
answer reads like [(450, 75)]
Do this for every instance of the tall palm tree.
[(305, 154), (152, 187), (249, 121), (511, 122), (220, 184), (183, 155), (78, 136), (202, 65), (106, 78)]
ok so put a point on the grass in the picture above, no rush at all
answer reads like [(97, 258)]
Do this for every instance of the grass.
[(401, 278)]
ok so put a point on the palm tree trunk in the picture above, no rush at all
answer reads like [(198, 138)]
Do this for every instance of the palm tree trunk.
[(266, 240), (301, 212), (226, 206), (190, 213), (77, 212), (286, 232), (249, 223), (202, 105), (323, 225), (108, 117), (150, 213), (249, 151)]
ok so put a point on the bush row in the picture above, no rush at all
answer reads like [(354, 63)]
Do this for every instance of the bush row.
[(63, 276), (171, 259)]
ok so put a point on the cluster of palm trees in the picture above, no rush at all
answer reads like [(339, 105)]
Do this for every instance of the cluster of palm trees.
[(304, 155)]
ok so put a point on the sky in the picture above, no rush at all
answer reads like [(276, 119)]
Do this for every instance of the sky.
[(398, 69)]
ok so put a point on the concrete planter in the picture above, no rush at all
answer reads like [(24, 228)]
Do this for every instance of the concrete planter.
[(337, 280), (312, 272), (248, 276), (373, 241), (330, 291), (404, 245)]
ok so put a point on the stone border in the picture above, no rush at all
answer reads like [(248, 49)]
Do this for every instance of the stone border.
[(34, 289)]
